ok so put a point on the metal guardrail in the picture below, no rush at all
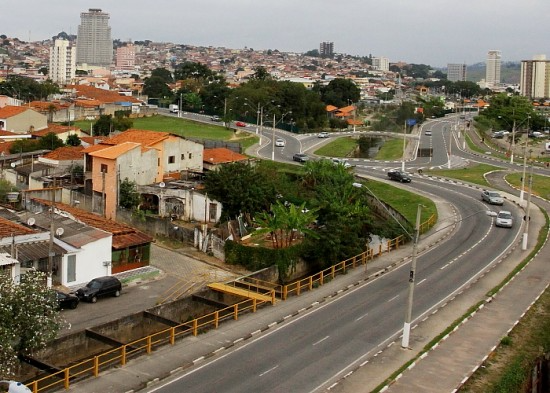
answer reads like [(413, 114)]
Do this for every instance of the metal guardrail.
[(145, 345)]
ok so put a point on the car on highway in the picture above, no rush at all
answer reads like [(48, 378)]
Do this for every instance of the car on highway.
[(100, 287), (504, 219), (66, 300), (323, 134), (492, 197), (280, 142), (240, 124), (428, 132), (300, 157), (215, 118), (341, 161), (400, 176)]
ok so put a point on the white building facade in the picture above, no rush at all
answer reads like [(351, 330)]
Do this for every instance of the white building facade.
[(94, 45), (62, 62), (492, 73), (535, 77), (381, 63)]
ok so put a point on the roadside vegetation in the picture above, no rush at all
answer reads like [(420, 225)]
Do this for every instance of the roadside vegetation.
[(472, 174)]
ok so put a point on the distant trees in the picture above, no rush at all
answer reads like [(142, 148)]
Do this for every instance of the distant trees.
[(27, 89), (107, 124), (129, 196), (339, 92)]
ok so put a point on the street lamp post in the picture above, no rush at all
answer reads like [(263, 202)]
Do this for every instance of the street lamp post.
[(522, 191), (528, 211), (408, 316), (404, 145)]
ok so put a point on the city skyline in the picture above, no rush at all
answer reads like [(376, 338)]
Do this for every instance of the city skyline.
[(432, 32)]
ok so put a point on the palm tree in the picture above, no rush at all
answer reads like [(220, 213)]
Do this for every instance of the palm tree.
[(285, 223), (52, 109)]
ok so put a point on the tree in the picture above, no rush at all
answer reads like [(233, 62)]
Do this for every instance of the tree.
[(340, 92), (240, 188), (73, 140), (157, 87), (50, 141), (163, 74), (129, 196), (261, 73), (52, 109), (29, 318), (284, 223)]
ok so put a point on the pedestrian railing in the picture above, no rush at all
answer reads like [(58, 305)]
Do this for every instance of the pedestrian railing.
[(145, 345)]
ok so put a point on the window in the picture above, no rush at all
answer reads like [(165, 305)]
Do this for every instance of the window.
[(172, 160), (183, 156), (71, 268), (190, 155), (213, 210), (104, 168)]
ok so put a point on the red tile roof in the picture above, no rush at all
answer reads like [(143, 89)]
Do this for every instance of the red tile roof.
[(66, 153), (221, 155), (9, 228), (10, 111), (102, 95), (56, 129), (123, 235), (144, 137)]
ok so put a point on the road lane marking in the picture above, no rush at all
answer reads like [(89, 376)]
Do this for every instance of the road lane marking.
[(393, 298), (421, 281), (265, 372), (362, 316), (320, 341)]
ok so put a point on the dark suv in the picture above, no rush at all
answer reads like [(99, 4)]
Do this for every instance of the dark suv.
[(399, 176), (98, 287)]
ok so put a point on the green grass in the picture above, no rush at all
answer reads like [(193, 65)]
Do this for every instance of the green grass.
[(473, 174), (541, 184), (392, 149), (339, 147), (403, 201), (187, 128)]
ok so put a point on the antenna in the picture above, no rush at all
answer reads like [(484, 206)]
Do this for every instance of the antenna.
[(31, 221), (59, 231)]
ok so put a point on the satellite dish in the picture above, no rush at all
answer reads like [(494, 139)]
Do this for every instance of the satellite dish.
[(31, 221), (59, 231), (162, 184), (12, 164)]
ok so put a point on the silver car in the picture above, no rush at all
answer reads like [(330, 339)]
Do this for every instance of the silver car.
[(492, 197), (504, 219)]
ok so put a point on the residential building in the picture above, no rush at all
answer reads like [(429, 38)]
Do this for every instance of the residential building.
[(381, 63), (62, 62), (141, 156), (21, 119), (456, 72), (535, 78), (126, 57), (94, 45), (492, 73), (326, 49)]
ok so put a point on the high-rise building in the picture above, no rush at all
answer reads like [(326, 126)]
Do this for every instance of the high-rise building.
[(62, 62), (94, 45), (492, 73), (126, 57), (326, 49), (535, 77), (456, 72), (381, 63)]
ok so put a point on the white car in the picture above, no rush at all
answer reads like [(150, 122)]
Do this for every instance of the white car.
[(323, 135), (504, 219), (280, 142), (340, 161)]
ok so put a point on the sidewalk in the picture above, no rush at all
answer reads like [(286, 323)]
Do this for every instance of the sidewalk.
[(137, 373), (448, 365)]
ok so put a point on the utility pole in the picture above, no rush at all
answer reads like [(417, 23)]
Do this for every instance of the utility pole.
[(49, 278), (273, 140), (408, 316), (528, 210)]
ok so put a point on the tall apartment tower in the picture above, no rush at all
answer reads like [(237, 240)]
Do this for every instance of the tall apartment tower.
[(492, 73), (326, 49), (62, 62), (456, 72), (94, 45), (126, 57), (381, 63), (535, 77)]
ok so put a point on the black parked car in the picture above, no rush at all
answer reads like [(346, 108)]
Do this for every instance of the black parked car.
[(66, 300), (99, 287), (399, 176)]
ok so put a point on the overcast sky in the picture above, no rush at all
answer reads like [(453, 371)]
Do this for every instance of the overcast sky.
[(434, 32)]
